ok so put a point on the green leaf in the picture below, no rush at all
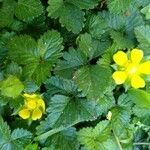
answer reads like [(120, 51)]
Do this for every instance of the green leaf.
[(98, 138), (56, 85), (27, 10), (72, 60), (140, 97), (93, 80), (14, 69), (97, 26), (133, 19), (106, 103), (113, 20), (120, 119), (118, 6), (11, 87), (50, 46), (31, 147), (4, 132), (37, 58), (30, 87), (66, 111), (68, 140), (141, 112), (146, 12), (143, 36), (92, 48), (20, 138), (121, 41), (23, 50), (69, 15), (84, 4), (15, 140), (6, 13)]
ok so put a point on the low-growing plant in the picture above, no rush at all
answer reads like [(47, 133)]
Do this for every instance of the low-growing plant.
[(74, 74)]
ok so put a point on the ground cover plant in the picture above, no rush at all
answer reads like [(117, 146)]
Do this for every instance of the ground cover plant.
[(74, 74)]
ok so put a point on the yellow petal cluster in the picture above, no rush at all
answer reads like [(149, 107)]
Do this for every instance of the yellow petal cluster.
[(131, 68), (33, 108)]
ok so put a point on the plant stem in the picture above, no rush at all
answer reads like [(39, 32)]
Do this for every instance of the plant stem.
[(141, 143), (118, 142)]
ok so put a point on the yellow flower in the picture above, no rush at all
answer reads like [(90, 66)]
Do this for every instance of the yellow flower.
[(33, 108), (109, 115), (131, 69)]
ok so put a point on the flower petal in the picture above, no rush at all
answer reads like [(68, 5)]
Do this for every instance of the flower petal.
[(137, 82), (119, 77), (24, 113), (145, 68), (136, 55), (120, 58), (41, 103), (29, 95), (31, 104), (37, 114)]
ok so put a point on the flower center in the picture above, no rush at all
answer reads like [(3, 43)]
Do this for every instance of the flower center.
[(132, 69)]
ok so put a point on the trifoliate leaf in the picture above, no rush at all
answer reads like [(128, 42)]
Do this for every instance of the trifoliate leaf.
[(27, 10), (143, 36), (69, 15), (65, 111), (92, 48), (97, 138), (120, 119), (15, 140), (146, 12), (118, 6), (93, 80), (140, 97), (37, 58), (84, 4), (11, 87), (68, 140)]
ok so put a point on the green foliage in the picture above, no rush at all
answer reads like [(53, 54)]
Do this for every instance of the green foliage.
[(68, 139), (97, 138), (17, 139), (118, 6), (140, 97), (27, 10), (62, 51), (66, 111), (94, 81), (6, 13), (69, 15), (38, 57), (120, 119), (146, 12), (11, 87), (143, 37)]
